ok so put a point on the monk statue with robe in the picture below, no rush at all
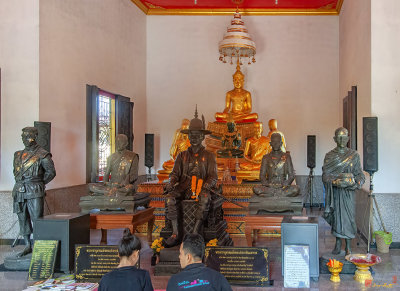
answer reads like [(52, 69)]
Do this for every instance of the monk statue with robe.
[(123, 168), (180, 143), (238, 102), (259, 145), (341, 175)]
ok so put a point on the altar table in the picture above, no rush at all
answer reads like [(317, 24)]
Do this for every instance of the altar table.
[(257, 222), (111, 220)]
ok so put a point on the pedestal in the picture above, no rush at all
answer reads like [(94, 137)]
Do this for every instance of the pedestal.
[(302, 230), (69, 229)]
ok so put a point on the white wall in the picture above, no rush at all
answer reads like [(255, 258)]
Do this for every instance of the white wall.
[(19, 63), (295, 78), (385, 90), (92, 42), (355, 58)]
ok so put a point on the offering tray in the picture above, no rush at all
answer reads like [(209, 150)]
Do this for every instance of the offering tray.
[(363, 262)]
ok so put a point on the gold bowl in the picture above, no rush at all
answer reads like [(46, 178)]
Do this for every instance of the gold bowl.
[(363, 262), (335, 272)]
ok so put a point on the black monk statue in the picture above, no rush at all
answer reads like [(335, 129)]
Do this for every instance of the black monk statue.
[(33, 169), (195, 164), (342, 175)]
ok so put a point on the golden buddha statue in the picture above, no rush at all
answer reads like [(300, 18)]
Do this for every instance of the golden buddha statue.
[(238, 102), (180, 143), (258, 146)]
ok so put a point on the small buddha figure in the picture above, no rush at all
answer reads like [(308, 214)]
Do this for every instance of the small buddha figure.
[(276, 173), (180, 143), (238, 102), (231, 142), (123, 168)]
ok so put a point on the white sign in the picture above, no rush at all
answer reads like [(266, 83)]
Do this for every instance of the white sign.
[(296, 260)]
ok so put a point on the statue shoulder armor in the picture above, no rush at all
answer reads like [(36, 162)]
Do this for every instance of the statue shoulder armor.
[(42, 153)]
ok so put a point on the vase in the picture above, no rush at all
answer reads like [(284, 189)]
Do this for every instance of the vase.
[(155, 259)]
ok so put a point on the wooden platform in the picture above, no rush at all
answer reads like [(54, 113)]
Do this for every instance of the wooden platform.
[(261, 222), (112, 220)]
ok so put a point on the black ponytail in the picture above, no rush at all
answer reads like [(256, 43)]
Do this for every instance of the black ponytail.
[(128, 244)]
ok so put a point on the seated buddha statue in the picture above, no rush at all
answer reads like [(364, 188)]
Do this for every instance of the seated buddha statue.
[(258, 146), (180, 143), (237, 102)]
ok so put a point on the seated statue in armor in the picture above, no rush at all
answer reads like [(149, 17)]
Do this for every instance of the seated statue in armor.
[(231, 143), (237, 102), (194, 164), (179, 144), (276, 194), (123, 168)]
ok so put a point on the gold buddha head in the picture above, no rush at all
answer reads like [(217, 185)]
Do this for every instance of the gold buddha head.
[(273, 124), (258, 130), (341, 137), (238, 78)]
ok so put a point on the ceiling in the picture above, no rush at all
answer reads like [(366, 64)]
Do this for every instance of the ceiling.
[(247, 7)]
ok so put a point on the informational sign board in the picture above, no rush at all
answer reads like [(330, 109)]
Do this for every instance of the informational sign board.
[(240, 265), (43, 259), (297, 266), (94, 261)]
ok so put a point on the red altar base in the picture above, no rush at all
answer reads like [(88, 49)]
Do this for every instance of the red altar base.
[(233, 214)]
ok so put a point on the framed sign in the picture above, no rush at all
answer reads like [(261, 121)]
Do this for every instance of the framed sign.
[(43, 259), (297, 266)]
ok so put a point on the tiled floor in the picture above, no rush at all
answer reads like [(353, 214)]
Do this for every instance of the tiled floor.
[(385, 272)]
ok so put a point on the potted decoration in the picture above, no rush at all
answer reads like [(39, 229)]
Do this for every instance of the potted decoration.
[(383, 240), (156, 246)]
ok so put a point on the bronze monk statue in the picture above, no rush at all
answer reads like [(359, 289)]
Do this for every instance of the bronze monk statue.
[(123, 168), (276, 194), (33, 169), (238, 102), (180, 143), (341, 175), (195, 164)]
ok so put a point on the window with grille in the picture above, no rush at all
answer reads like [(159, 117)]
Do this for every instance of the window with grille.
[(107, 115)]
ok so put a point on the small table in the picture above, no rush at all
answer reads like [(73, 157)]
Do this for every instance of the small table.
[(257, 222), (111, 220)]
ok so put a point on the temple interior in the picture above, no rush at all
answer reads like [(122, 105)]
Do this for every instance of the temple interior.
[(155, 69)]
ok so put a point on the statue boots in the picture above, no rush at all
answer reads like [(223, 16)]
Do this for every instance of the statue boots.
[(28, 247), (173, 240), (197, 226)]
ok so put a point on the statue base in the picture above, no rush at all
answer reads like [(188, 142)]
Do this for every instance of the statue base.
[(163, 175), (284, 205), (18, 264), (127, 203), (169, 262)]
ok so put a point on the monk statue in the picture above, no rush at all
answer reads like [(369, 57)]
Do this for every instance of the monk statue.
[(231, 142), (341, 175), (180, 143), (123, 168), (276, 194), (238, 102), (258, 146)]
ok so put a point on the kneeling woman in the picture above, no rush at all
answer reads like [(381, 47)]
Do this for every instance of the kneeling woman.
[(127, 276)]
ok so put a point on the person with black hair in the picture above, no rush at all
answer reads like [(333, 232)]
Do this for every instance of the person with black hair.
[(127, 276), (195, 275)]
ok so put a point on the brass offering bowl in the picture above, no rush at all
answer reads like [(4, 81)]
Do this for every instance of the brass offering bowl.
[(363, 262), (335, 272)]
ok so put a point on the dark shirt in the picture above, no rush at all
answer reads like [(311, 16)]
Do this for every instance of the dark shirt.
[(198, 277), (126, 278)]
